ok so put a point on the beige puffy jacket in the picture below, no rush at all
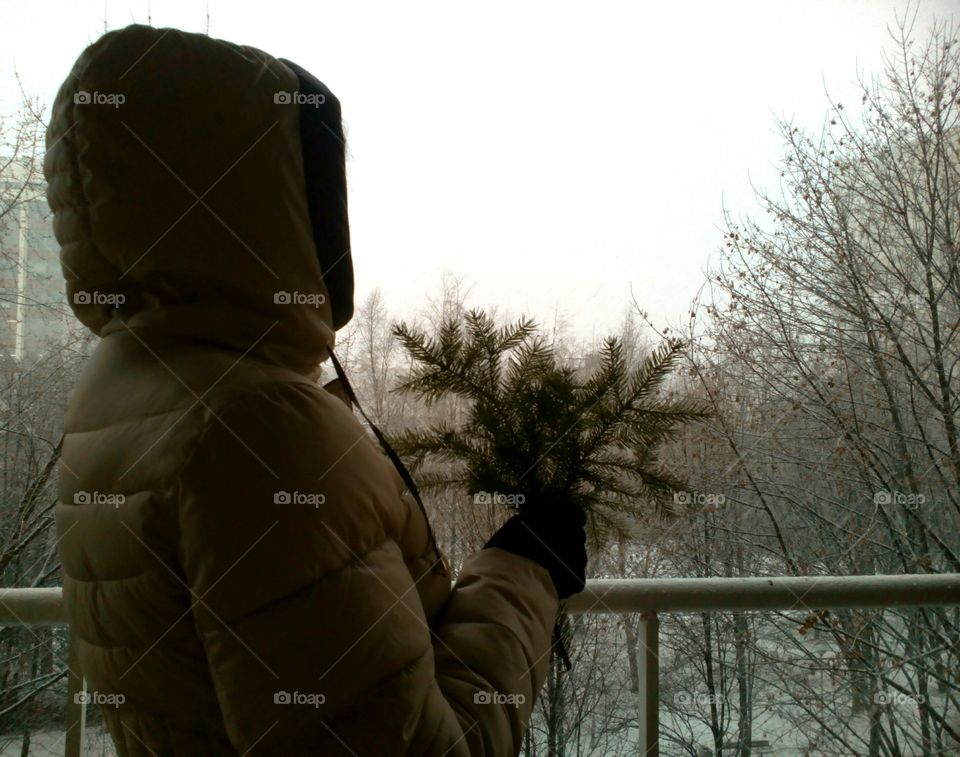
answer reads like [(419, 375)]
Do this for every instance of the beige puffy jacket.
[(242, 569)]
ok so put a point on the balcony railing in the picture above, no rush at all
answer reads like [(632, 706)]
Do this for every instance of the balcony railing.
[(649, 597)]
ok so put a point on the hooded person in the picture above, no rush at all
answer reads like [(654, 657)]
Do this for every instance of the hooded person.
[(243, 569)]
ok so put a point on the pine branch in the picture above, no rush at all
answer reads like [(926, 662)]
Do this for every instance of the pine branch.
[(441, 367), (654, 370), (539, 428)]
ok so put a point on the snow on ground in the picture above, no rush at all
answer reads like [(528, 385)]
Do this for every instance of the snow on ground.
[(51, 744)]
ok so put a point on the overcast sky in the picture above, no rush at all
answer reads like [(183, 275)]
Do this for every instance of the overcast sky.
[(554, 154)]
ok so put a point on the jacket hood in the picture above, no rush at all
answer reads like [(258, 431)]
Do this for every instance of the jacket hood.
[(175, 175)]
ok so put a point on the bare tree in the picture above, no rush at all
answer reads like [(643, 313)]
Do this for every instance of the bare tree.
[(836, 329), (40, 355)]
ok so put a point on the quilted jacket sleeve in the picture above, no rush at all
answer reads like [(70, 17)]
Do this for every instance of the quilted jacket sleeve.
[(315, 635)]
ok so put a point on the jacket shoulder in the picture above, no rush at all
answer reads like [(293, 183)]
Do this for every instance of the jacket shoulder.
[(282, 475)]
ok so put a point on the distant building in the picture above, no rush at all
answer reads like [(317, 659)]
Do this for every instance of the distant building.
[(34, 315)]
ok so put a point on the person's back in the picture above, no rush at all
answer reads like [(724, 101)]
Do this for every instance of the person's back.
[(243, 570)]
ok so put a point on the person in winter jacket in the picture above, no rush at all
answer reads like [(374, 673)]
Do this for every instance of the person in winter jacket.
[(243, 569)]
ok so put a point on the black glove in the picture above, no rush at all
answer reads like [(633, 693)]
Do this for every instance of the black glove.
[(552, 536)]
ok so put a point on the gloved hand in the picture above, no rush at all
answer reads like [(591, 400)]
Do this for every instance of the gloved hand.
[(552, 536)]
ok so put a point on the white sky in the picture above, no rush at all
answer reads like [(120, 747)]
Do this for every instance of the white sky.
[(552, 153)]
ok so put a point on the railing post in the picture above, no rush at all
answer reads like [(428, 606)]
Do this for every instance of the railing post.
[(649, 705), (76, 704)]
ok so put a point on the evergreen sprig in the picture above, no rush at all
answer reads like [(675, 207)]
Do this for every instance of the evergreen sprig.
[(539, 428)]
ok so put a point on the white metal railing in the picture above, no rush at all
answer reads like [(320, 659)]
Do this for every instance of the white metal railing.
[(649, 597), (656, 595)]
